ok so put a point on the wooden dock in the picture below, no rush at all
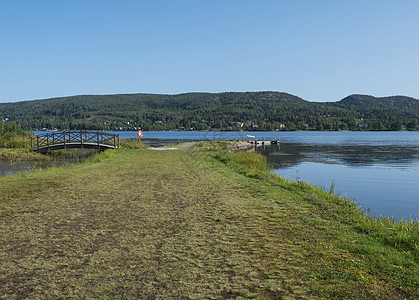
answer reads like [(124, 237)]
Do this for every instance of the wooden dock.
[(269, 142), (254, 141)]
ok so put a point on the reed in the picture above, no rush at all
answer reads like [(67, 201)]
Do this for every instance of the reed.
[(131, 143), (13, 136)]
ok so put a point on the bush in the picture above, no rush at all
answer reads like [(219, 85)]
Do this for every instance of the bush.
[(13, 136), (10, 130), (131, 143), (250, 164)]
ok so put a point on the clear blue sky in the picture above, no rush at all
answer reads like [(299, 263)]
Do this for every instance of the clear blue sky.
[(316, 49)]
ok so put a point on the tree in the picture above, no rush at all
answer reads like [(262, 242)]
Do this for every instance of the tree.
[(396, 125), (412, 125), (377, 125)]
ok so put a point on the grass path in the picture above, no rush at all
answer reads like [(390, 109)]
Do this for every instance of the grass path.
[(142, 224)]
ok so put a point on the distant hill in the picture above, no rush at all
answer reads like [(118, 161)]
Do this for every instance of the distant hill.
[(214, 111), (399, 104)]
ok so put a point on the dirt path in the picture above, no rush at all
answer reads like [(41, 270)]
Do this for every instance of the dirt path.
[(149, 224)]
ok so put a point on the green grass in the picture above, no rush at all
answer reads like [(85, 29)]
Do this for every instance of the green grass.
[(194, 223)]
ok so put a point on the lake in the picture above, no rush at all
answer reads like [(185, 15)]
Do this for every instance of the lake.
[(379, 170)]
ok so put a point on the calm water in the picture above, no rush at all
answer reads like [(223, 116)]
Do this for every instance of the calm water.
[(7, 168), (380, 170), (382, 179), (59, 159)]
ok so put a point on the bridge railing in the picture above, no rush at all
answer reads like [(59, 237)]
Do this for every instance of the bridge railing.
[(79, 137)]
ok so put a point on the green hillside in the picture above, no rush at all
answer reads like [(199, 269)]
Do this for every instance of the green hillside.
[(208, 111)]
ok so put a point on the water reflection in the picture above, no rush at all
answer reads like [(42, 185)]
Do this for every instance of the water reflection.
[(291, 154), (53, 158), (382, 179), (7, 167)]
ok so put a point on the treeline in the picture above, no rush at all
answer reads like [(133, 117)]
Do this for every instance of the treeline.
[(206, 111)]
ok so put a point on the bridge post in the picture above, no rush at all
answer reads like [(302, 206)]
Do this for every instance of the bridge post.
[(81, 138), (37, 141), (65, 146), (114, 141), (48, 141), (97, 139), (53, 138)]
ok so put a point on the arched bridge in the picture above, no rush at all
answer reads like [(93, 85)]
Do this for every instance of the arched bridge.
[(74, 139)]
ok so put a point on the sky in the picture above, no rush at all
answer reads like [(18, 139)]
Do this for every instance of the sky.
[(319, 50)]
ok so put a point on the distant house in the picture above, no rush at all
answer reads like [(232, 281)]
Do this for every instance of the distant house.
[(363, 126)]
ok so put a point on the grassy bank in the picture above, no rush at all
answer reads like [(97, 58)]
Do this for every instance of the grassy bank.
[(197, 222), (13, 136), (15, 143)]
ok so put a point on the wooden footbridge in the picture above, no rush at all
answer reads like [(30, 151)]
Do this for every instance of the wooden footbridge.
[(57, 140)]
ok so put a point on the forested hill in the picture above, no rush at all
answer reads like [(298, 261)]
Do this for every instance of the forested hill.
[(207, 111)]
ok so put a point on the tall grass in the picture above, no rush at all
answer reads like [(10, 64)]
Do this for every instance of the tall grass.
[(13, 136), (247, 163), (131, 143), (71, 155)]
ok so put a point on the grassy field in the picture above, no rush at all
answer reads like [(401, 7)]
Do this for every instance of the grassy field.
[(193, 223)]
